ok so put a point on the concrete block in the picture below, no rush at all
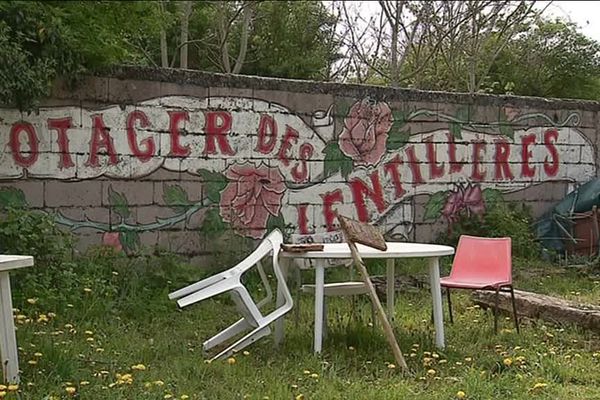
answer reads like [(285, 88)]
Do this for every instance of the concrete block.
[(63, 194)]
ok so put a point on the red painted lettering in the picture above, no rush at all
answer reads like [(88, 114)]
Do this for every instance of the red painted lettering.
[(24, 160), (392, 168), (61, 125), (217, 127), (527, 170), (414, 165), (302, 218), (455, 166), (148, 143), (291, 135), (550, 137), (478, 147), (175, 118), (435, 170), (101, 139), (267, 134), (502, 170), (300, 170), (360, 191), (329, 199)]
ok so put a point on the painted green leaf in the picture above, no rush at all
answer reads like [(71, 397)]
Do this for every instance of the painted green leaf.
[(505, 127), (462, 115), (336, 161), (507, 130), (398, 137), (118, 202), (342, 107), (276, 222), (130, 241), (491, 197), (11, 197), (214, 183), (434, 206), (213, 224), (176, 198)]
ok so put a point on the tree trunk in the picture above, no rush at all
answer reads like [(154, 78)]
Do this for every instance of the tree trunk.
[(186, 10), (247, 17), (547, 308), (164, 54)]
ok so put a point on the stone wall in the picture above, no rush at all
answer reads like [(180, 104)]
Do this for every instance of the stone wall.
[(177, 159)]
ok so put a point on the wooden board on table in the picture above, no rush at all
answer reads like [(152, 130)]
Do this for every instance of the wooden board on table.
[(359, 232), (302, 248)]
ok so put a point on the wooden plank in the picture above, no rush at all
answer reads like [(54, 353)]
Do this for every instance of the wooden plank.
[(387, 328), (540, 306)]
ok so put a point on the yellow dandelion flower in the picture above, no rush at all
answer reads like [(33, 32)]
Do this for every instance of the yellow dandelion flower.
[(43, 318), (468, 359), (32, 362), (539, 386), (294, 387), (231, 361), (184, 397), (3, 387), (90, 339), (314, 376), (460, 394), (51, 315), (351, 348), (507, 361), (300, 397), (168, 396), (2, 394), (70, 390), (87, 290), (13, 388), (33, 300), (306, 372), (391, 366), (68, 326), (38, 354), (84, 383), (138, 367), (158, 383), (89, 333), (431, 372), (99, 350), (246, 353)]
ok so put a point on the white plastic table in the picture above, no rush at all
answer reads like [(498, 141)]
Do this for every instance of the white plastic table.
[(8, 339), (394, 250)]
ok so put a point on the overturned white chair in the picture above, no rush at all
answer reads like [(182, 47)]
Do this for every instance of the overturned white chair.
[(230, 281)]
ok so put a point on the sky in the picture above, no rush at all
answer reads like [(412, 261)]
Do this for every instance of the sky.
[(586, 14)]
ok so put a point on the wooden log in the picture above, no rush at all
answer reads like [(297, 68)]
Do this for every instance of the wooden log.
[(540, 306)]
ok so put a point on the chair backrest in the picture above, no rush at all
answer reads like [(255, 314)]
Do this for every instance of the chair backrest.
[(483, 259), (271, 243)]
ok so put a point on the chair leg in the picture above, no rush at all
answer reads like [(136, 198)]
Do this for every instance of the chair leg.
[(324, 318), (496, 310), (243, 342), (297, 301), (449, 305), (514, 307), (226, 334)]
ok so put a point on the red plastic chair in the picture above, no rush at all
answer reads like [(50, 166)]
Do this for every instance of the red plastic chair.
[(485, 264)]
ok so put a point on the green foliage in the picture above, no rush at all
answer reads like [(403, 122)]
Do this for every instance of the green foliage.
[(11, 197), (501, 219), (213, 225), (553, 59), (336, 161), (34, 233)]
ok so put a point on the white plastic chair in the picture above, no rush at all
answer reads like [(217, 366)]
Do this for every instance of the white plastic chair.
[(230, 281)]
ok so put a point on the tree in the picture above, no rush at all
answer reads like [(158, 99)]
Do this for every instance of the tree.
[(552, 59)]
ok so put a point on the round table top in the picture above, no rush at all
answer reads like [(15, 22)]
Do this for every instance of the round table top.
[(394, 250)]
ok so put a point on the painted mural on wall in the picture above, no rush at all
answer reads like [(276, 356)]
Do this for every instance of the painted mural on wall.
[(260, 165)]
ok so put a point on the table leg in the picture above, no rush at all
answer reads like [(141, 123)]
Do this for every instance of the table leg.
[(8, 341), (285, 265), (390, 281), (319, 294), (436, 294)]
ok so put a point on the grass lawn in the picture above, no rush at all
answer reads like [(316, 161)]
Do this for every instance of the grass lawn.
[(101, 327)]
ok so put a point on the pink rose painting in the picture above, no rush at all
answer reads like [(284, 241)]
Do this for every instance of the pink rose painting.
[(464, 198), (250, 197), (366, 131), (112, 239)]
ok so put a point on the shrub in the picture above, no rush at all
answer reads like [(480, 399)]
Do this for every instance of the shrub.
[(503, 219)]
